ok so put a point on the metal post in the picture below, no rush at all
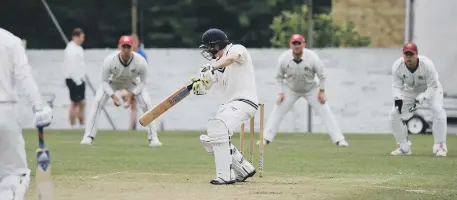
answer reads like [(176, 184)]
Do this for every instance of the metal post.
[(134, 16), (409, 21), (300, 20), (141, 25), (309, 44)]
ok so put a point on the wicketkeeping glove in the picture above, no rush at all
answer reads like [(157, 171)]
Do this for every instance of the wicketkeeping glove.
[(417, 102), (199, 86), (398, 104)]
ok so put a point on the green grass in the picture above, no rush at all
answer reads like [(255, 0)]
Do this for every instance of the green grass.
[(297, 166)]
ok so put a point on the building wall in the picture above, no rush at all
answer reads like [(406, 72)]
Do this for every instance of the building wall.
[(382, 20), (359, 88)]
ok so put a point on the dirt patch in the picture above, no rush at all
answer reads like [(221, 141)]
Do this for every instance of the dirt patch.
[(132, 186)]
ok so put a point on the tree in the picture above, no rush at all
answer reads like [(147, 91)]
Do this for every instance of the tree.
[(326, 32)]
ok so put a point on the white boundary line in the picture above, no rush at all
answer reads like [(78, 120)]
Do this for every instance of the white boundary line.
[(104, 175), (127, 172)]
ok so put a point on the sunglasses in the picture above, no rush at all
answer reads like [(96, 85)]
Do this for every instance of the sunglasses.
[(296, 43), (126, 46), (409, 53)]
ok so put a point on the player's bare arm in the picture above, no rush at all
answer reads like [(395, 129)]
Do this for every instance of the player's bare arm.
[(228, 60)]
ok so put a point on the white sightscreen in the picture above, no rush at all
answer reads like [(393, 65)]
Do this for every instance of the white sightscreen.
[(435, 33)]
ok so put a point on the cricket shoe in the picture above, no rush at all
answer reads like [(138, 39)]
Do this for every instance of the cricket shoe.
[(220, 181), (264, 142), (402, 150), (440, 150), (154, 143), (87, 140), (342, 143)]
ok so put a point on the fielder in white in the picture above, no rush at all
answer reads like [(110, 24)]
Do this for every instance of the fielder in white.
[(415, 81), (122, 71), (298, 68), (234, 73), (15, 72)]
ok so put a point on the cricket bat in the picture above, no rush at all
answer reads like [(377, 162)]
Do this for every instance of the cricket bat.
[(166, 104), (44, 186)]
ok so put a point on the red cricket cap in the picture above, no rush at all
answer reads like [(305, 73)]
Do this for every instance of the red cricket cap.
[(126, 39), (411, 47), (297, 38)]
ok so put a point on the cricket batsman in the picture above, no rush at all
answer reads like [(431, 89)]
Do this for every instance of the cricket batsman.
[(120, 82), (234, 73), (415, 81), (15, 72), (298, 67)]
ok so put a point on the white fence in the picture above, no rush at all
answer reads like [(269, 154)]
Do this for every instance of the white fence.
[(358, 87)]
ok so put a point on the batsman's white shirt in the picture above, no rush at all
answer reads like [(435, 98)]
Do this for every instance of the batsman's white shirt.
[(299, 76), (15, 72), (74, 62), (424, 79), (238, 79), (116, 76)]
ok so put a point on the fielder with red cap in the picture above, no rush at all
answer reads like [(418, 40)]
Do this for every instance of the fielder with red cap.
[(415, 81), (124, 77), (296, 72)]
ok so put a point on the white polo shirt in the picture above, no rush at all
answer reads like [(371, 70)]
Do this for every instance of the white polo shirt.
[(74, 62)]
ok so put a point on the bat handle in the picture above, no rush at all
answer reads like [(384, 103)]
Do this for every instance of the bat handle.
[(40, 137)]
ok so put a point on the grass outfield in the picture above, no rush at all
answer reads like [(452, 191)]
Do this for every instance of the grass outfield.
[(120, 166)]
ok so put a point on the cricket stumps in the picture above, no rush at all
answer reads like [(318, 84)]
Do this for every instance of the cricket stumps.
[(252, 140)]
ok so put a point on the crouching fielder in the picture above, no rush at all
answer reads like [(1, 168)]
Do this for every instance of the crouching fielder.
[(120, 73), (298, 67), (15, 72), (415, 81), (234, 72)]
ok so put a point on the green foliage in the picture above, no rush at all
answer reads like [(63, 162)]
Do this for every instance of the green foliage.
[(326, 32)]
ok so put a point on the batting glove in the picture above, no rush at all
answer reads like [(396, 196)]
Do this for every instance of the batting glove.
[(398, 104), (199, 85), (418, 102), (208, 72), (43, 115)]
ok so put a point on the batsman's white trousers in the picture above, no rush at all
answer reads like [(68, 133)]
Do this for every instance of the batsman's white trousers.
[(290, 97), (235, 113), (144, 102)]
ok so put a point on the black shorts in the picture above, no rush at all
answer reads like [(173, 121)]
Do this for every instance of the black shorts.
[(77, 92)]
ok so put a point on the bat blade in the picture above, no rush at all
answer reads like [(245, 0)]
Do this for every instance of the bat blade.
[(166, 104), (43, 171)]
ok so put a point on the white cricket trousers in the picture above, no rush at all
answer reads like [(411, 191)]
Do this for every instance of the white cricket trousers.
[(14, 173), (144, 102), (290, 97), (12, 147)]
